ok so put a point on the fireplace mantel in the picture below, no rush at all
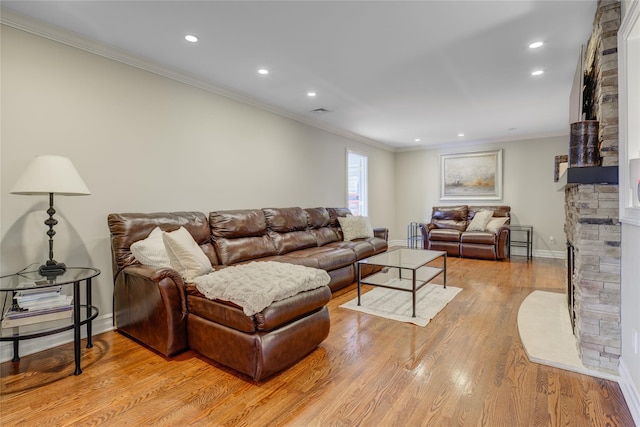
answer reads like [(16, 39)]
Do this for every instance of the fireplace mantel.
[(601, 175), (593, 175)]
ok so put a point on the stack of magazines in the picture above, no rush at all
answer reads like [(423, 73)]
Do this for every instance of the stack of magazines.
[(37, 305)]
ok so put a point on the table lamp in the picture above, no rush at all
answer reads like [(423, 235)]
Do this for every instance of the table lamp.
[(50, 174)]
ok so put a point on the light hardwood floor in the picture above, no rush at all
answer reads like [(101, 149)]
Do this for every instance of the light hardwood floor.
[(466, 368)]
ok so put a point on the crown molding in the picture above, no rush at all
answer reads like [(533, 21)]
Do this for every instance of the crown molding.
[(70, 38)]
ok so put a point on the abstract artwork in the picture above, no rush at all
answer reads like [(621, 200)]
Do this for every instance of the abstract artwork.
[(471, 176)]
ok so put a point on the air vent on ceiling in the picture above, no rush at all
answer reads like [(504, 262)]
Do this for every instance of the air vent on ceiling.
[(320, 110)]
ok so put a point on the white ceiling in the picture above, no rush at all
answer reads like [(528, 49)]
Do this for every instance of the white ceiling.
[(388, 71)]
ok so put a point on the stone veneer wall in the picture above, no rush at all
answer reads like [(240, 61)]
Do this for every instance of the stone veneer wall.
[(594, 230), (601, 57), (592, 225)]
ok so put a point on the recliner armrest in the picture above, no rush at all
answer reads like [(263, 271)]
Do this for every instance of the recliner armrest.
[(382, 233), (150, 305), (158, 275), (502, 236), (425, 228)]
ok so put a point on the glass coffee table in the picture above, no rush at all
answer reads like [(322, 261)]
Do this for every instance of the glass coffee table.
[(403, 270)]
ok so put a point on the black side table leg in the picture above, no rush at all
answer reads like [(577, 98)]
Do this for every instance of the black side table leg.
[(76, 327), (359, 279), (89, 342), (16, 357)]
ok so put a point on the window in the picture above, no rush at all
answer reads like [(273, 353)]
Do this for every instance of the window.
[(357, 183)]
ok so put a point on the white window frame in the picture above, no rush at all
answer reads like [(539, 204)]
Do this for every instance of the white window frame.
[(362, 192)]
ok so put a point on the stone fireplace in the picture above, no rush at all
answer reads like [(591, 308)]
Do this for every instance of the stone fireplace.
[(591, 207)]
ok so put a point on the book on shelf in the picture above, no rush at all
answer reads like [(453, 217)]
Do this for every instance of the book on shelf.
[(38, 291), (43, 303), (13, 317)]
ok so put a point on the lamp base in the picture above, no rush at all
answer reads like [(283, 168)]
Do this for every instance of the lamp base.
[(52, 270)]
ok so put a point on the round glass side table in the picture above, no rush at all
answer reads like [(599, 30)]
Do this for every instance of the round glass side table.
[(83, 312)]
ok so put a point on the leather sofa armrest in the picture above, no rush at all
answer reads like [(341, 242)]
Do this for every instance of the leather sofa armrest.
[(151, 306), (168, 280), (502, 235), (382, 233), (425, 228)]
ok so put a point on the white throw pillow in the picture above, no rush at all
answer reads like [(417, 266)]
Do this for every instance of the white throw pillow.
[(495, 223), (355, 227), (480, 221), (185, 254), (151, 251)]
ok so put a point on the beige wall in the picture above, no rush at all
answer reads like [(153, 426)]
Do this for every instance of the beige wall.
[(145, 143), (528, 187)]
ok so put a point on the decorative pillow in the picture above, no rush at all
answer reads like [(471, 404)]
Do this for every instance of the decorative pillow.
[(355, 227), (185, 254), (480, 221), (495, 223), (151, 251)]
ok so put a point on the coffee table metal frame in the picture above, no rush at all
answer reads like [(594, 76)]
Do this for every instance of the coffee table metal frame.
[(403, 270)]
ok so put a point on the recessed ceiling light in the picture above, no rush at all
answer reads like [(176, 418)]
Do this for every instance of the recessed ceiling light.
[(537, 73), (461, 134), (311, 94), (191, 38), (263, 71), (535, 45), (417, 140)]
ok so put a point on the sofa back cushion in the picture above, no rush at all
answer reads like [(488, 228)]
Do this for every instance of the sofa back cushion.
[(501, 216), (127, 228), (498, 211), (287, 228), (334, 213), (240, 235), (453, 217), (318, 221)]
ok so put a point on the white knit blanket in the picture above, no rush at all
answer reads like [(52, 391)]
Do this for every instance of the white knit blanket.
[(256, 285)]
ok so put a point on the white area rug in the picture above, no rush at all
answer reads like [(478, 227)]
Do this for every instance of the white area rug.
[(545, 331), (397, 305)]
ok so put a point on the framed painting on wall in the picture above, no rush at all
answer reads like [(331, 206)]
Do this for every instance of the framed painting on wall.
[(471, 176)]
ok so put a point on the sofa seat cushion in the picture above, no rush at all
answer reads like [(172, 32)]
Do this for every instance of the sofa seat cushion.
[(287, 310), (379, 245), (445, 235), (361, 248), (277, 314), (325, 258), (478, 237)]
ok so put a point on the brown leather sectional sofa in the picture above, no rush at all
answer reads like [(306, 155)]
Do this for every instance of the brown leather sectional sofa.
[(155, 307), (448, 231)]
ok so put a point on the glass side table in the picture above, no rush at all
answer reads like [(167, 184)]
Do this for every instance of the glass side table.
[(82, 314), (414, 236), (521, 236)]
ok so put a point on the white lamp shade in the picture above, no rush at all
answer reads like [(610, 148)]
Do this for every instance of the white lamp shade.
[(50, 174)]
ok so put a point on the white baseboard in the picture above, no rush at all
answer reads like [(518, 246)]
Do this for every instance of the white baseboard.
[(537, 253), (540, 253), (629, 391), (100, 324)]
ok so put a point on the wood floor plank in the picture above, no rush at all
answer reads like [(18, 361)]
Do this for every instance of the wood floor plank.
[(466, 368)]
